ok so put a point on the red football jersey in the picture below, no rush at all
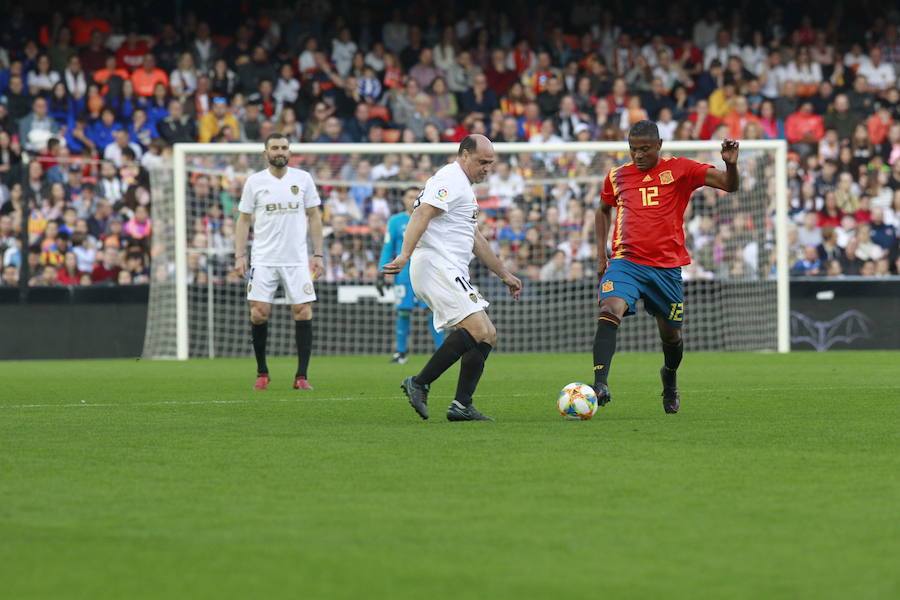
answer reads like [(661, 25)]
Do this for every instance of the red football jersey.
[(650, 210)]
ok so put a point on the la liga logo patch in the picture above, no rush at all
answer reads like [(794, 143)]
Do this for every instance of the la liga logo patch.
[(442, 194)]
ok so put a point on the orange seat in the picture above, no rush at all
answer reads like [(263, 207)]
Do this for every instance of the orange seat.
[(380, 112), (391, 136)]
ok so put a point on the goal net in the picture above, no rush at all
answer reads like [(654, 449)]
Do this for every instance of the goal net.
[(537, 209)]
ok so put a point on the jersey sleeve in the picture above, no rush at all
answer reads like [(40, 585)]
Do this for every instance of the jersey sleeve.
[(438, 194), (247, 204), (607, 195), (311, 198), (693, 173)]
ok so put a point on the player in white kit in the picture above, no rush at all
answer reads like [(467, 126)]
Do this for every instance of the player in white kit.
[(283, 204), (439, 242)]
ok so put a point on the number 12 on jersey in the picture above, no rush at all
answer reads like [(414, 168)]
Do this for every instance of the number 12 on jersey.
[(648, 194)]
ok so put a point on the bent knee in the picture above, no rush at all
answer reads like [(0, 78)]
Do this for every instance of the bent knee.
[(614, 305), (259, 314), (302, 312)]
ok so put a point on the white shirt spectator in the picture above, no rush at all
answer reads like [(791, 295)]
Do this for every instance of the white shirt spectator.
[(342, 55), (286, 91), (808, 74), (75, 83), (774, 79), (881, 77), (506, 189), (383, 171), (754, 58), (374, 61), (307, 61), (113, 152), (184, 82), (857, 61), (44, 82), (667, 130), (714, 51)]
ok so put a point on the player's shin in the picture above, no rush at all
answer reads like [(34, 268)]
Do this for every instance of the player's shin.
[(259, 333), (457, 343), (673, 354), (604, 346), (303, 336), (470, 369)]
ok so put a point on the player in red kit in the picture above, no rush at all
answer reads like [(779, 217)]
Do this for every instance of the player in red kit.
[(650, 195)]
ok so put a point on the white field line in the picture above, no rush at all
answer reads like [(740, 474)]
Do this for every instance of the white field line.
[(260, 398)]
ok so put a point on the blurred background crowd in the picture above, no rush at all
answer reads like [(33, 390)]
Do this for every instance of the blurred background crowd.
[(93, 96)]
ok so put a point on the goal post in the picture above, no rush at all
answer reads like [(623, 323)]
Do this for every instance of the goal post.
[(198, 309)]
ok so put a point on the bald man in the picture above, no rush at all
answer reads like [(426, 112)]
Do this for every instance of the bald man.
[(439, 242)]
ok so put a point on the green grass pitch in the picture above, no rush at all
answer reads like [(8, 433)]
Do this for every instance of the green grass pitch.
[(141, 479)]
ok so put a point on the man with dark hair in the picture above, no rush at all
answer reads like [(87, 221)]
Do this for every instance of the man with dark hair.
[(404, 296), (648, 250), (440, 239), (285, 205)]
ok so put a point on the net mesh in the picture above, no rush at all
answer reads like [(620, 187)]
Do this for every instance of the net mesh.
[(537, 203)]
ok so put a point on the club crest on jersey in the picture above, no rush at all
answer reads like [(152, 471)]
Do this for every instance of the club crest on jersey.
[(665, 178), (442, 194), (473, 298), (295, 190), (308, 288), (607, 287)]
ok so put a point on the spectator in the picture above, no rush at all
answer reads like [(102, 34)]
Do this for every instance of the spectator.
[(882, 234), (184, 79), (878, 74), (841, 118), (73, 77), (212, 123), (203, 48), (121, 140), (804, 128), (42, 79), (805, 74), (425, 71), (739, 118), (69, 274), (146, 78), (357, 128), (332, 133), (177, 127), (36, 128), (555, 269), (107, 269), (809, 264), (94, 55), (343, 49), (131, 55)]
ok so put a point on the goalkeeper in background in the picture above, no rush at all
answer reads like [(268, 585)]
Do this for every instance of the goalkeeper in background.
[(404, 298), (650, 195)]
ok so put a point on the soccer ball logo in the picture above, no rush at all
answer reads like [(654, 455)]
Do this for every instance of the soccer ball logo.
[(577, 401)]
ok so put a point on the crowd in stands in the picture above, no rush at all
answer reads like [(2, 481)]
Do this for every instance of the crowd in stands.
[(90, 103)]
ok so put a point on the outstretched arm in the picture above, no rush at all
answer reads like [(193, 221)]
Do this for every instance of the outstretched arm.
[(482, 251), (728, 180), (418, 222)]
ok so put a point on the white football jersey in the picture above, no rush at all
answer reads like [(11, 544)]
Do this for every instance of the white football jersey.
[(452, 234), (279, 206)]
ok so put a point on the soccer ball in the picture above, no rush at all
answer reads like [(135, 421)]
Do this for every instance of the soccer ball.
[(577, 401)]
